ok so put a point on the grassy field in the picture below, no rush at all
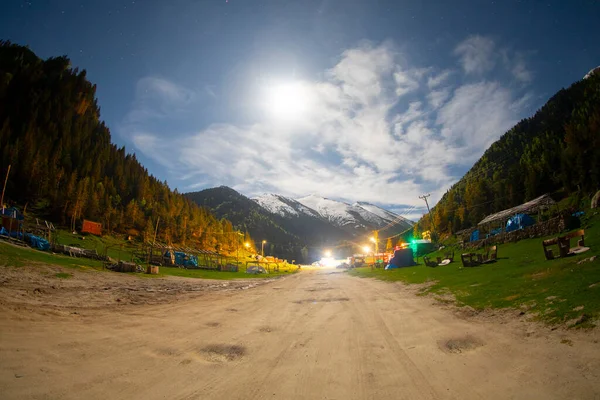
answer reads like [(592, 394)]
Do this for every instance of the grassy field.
[(557, 291), (14, 256), (116, 248)]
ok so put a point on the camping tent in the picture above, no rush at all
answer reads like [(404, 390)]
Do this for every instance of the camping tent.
[(402, 258), (519, 221)]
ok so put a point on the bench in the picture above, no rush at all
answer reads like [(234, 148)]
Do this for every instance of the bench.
[(564, 245), (491, 255), (429, 262), (565, 242), (471, 259)]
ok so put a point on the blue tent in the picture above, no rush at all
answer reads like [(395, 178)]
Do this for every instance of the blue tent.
[(474, 236), (519, 221), (183, 259)]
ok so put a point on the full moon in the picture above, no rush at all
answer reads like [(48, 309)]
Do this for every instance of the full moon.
[(288, 100)]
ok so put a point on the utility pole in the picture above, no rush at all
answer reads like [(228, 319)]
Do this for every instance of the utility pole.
[(424, 197), (4, 188), (376, 240)]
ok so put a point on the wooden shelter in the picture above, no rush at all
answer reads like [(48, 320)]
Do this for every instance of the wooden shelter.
[(532, 206)]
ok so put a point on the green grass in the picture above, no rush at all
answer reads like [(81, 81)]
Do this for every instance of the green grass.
[(14, 256), (115, 247), (63, 275), (556, 291)]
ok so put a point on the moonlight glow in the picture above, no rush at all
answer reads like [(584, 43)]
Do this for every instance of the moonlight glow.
[(287, 101)]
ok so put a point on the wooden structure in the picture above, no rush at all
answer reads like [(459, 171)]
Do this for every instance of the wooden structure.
[(564, 245), (92, 227), (471, 259), (532, 206), (490, 255), (161, 254), (152, 269), (429, 262)]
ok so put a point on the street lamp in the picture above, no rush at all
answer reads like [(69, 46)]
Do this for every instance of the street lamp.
[(262, 248), (367, 249), (327, 253), (374, 240)]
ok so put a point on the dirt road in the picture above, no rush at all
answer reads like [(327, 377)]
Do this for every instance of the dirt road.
[(314, 335)]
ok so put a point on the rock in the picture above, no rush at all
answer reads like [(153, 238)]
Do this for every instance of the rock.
[(18, 376)]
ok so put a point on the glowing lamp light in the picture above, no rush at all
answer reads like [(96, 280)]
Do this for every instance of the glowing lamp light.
[(367, 249), (327, 253)]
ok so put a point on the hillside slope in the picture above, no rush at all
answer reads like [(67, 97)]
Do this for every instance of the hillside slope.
[(556, 151), (65, 168)]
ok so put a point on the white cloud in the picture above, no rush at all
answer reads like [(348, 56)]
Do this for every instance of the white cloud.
[(437, 98), (157, 98), (477, 54), (475, 116), (517, 66), (435, 81), (377, 129)]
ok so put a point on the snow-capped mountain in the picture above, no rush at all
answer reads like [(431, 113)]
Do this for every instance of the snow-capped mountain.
[(359, 215), (284, 206), (387, 215)]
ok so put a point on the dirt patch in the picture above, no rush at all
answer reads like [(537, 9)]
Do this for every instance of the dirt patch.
[(318, 289), (266, 329), (540, 275), (330, 300), (231, 309), (222, 353), (460, 344), (34, 286), (166, 352), (213, 324), (513, 297)]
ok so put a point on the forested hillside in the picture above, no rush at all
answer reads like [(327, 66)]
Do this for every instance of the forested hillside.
[(558, 149), (65, 168)]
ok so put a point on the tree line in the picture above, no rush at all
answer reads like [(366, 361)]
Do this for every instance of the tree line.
[(64, 166), (556, 151)]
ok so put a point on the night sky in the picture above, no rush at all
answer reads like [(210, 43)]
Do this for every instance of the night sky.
[(354, 100)]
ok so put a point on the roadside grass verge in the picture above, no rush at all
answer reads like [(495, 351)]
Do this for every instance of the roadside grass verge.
[(210, 274), (557, 292), (15, 256)]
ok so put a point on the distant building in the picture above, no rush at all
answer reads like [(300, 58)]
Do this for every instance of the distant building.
[(92, 227)]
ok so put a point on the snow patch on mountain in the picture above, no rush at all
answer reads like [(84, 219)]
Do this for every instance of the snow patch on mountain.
[(284, 206), (384, 214), (343, 214)]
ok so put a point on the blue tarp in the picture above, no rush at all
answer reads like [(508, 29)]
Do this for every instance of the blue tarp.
[(181, 258), (37, 242), (474, 236), (519, 221), (494, 232), (14, 234)]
